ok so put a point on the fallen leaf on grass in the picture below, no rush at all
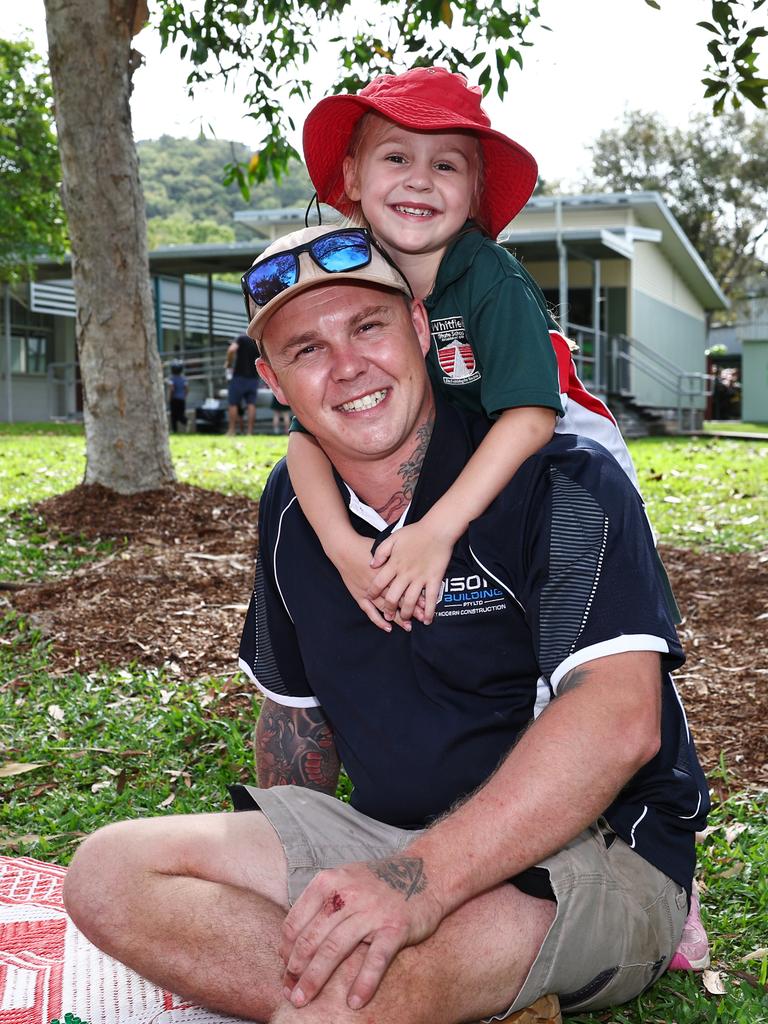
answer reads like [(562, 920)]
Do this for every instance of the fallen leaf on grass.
[(17, 768), (733, 871), (701, 837), (756, 954), (733, 831), (39, 790), (55, 712), (713, 983), (97, 786), (168, 801), (17, 841)]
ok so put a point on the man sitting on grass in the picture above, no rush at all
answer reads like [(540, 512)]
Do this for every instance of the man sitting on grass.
[(525, 787)]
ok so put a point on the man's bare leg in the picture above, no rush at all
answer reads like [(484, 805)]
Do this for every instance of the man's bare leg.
[(474, 965), (195, 904), (250, 413), (233, 415)]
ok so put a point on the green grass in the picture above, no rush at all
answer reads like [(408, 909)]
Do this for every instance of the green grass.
[(701, 492), (124, 741), (705, 492), (118, 743), (736, 427), (49, 428), (233, 465), (39, 465), (127, 742)]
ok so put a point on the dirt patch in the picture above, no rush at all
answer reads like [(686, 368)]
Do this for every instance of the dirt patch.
[(176, 589), (173, 592)]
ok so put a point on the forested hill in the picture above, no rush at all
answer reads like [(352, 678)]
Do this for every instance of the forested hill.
[(186, 200)]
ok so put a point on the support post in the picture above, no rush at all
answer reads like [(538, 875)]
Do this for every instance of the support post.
[(182, 314), (597, 355), (8, 353), (562, 258), (209, 360)]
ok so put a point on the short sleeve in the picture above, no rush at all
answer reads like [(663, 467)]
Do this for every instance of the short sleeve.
[(269, 649), (510, 332), (591, 586)]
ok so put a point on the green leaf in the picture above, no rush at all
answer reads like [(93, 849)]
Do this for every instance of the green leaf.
[(722, 13)]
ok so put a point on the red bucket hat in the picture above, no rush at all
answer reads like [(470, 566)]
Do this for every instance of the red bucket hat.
[(427, 100)]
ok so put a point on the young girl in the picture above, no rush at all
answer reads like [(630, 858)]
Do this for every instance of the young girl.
[(414, 158)]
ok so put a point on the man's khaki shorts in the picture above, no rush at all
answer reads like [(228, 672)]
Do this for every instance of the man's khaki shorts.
[(618, 918)]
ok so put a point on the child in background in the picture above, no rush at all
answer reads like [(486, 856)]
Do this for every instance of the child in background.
[(414, 158), (177, 395)]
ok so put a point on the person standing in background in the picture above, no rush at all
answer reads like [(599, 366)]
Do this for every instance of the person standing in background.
[(177, 395), (244, 383)]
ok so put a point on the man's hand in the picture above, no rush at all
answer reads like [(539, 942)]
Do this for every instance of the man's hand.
[(386, 904)]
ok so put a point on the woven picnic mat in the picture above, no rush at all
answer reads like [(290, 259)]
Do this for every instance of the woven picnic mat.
[(49, 969)]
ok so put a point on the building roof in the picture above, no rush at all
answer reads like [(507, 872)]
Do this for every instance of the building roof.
[(653, 222), (175, 260)]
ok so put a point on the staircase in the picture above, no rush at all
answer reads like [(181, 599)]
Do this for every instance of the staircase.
[(687, 390)]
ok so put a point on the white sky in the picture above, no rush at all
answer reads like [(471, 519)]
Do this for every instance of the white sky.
[(602, 57)]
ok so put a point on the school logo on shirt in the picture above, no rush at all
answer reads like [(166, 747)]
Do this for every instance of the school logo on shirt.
[(454, 353)]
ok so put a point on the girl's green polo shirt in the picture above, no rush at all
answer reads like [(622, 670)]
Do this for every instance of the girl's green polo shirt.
[(490, 347)]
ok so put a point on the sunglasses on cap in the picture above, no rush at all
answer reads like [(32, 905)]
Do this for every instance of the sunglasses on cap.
[(337, 252)]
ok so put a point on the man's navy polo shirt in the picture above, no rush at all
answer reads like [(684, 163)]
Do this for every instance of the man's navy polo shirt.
[(560, 570)]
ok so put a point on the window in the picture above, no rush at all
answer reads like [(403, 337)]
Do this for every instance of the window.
[(29, 354)]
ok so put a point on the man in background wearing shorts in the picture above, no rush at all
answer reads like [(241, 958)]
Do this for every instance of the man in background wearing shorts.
[(244, 383), (526, 791)]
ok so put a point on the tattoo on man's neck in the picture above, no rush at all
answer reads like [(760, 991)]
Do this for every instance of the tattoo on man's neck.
[(404, 874), (409, 472)]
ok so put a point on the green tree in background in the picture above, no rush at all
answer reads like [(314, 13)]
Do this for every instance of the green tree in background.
[(713, 175), (182, 178), (277, 40), (31, 216), (184, 229), (92, 62)]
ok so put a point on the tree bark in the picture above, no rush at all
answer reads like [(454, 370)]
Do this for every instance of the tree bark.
[(91, 63)]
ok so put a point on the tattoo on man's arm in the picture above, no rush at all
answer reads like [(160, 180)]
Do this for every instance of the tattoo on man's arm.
[(404, 874), (572, 680), (295, 747)]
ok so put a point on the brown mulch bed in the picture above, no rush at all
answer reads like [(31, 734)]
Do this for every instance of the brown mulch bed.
[(175, 590)]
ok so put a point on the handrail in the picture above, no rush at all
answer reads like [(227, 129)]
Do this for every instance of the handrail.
[(685, 385)]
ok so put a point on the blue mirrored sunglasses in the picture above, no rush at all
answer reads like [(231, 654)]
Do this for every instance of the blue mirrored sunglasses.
[(336, 252)]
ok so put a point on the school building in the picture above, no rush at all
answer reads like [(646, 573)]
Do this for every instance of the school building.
[(742, 349), (617, 269)]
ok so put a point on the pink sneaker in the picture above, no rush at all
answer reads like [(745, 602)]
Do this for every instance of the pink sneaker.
[(692, 953)]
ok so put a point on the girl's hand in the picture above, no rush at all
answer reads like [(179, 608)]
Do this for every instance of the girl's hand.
[(411, 564), (352, 558)]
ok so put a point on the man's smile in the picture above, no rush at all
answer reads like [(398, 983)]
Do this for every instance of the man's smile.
[(368, 401)]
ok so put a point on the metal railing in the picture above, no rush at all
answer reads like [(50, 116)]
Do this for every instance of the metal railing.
[(587, 358), (685, 387)]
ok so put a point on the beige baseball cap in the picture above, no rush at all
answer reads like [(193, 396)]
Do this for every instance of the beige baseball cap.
[(358, 243)]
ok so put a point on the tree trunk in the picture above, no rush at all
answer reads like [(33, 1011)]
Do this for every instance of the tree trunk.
[(91, 64)]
